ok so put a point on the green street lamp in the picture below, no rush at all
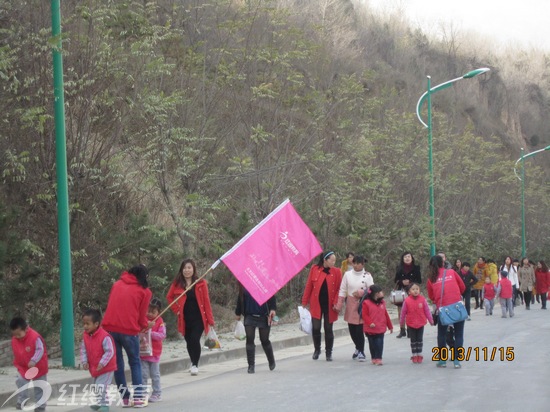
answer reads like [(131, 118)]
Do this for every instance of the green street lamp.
[(522, 179), (428, 96)]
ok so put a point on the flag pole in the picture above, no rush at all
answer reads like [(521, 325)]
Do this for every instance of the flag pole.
[(185, 291)]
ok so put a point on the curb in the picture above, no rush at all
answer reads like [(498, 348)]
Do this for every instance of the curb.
[(177, 365)]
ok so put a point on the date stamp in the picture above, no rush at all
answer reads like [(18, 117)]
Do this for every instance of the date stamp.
[(476, 353)]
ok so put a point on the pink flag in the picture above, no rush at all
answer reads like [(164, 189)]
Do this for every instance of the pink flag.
[(272, 253)]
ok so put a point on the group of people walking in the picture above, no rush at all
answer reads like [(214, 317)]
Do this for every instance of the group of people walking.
[(131, 310)]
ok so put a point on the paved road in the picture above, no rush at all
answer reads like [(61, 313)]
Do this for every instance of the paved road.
[(301, 384)]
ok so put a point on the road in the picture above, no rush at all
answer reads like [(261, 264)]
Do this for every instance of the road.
[(301, 384)]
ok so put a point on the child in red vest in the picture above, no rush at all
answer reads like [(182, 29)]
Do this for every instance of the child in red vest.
[(150, 365), (488, 294), (415, 312), (30, 357), (505, 292), (375, 322), (98, 355)]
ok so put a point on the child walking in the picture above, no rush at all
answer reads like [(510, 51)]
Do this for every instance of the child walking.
[(505, 291), (150, 365), (30, 357), (375, 322), (415, 313), (488, 294), (98, 355)]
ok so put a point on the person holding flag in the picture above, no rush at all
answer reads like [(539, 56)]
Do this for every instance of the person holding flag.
[(321, 293), (256, 316)]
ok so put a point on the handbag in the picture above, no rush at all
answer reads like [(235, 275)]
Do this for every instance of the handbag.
[(397, 296), (305, 320), (453, 313)]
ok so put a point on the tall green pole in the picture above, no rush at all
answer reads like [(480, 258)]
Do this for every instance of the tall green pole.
[(522, 178), (428, 97), (431, 169), (523, 248), (64, 236)]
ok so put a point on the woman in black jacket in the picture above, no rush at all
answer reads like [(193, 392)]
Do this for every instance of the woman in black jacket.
[(407, 272), (256, 316)]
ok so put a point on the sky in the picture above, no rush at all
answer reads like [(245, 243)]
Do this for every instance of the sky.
[(522, 23)]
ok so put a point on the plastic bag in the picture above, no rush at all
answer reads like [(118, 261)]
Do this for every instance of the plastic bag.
[(240, 333), (145, 344), (211, 341), (305, 320)]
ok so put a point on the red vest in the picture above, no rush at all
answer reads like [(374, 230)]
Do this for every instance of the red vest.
[(23, 351), (505, 288), (94, 350), (157, 344), (489, 291)]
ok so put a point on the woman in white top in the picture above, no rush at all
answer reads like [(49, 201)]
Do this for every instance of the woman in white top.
[(512, 276), (355, 283)]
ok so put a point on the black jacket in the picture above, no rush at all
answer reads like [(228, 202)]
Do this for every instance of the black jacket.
[(246, 305)]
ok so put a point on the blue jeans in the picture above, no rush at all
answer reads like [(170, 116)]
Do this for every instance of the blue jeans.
[(131, 347), (442, 334), (376, 345)]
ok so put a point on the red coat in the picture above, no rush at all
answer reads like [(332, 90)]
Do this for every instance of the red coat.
[(415, 312), (454, 287), (377, 314), (127, 307), (94, 351), (542, 280), (313, 286), (203, 299), (506, 289), (23, 351)]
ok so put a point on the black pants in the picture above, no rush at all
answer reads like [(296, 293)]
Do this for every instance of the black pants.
[(193, 339), (316, 331), (357, 336), (477, 296), (416, 335), (467, 295), (527, 297), (543, 300)]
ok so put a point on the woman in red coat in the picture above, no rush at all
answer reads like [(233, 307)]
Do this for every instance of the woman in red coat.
[(193, 309), (542, 281), (321, 293)]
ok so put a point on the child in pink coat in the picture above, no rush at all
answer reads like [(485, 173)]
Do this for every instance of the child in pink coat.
[(415, 313), (375, 322)]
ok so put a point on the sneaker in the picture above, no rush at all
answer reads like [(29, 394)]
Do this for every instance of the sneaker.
[(127, 403), (414, 359), (18, 407), (441, 364), (355, 354), (140, 403), (419, 359), (194, 370), (361, 357), (457, 364), (104, 408), (469, 318), (95, 407), (155, 398), (379, 363)]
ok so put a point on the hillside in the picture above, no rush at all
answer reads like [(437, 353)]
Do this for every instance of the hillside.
[(189, 121)]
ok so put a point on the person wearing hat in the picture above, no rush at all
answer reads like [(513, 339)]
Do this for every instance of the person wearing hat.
[(505, 291)]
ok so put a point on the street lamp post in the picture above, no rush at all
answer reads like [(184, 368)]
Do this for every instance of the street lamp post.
[(522, 179), (428, 96)]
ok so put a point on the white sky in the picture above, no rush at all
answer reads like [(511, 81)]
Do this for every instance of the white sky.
[(519, 23)]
